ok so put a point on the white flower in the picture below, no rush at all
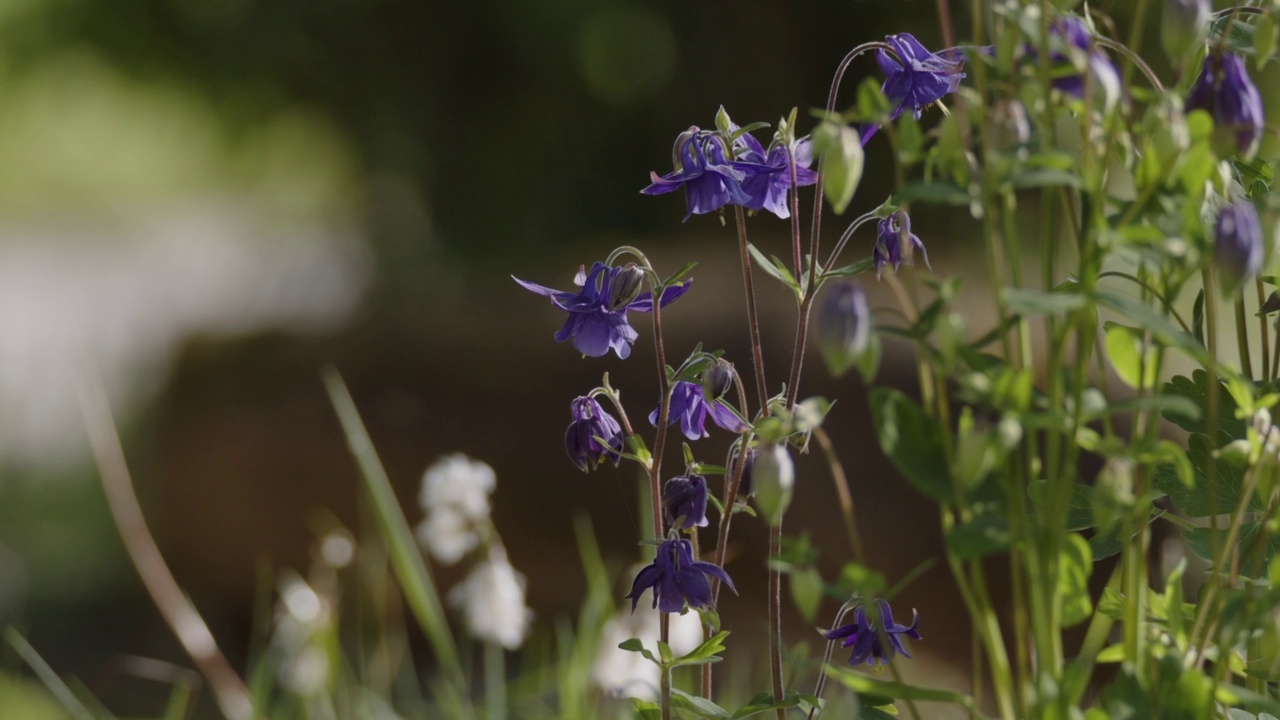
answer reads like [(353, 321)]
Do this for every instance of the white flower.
[(492, 601), (622, 673), (455, 494), (303, 630), (460, 484), (448, 535), (1268, 432)]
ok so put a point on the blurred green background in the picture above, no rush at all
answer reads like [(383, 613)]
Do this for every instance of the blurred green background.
[(212, 200)]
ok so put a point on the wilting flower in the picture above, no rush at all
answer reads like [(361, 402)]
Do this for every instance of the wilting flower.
[(1225, 91), (844, 327), (895, 243), (1069, 40), (691, 409), (1237, 243), (769, 179), (917, 78), (492, 600), (744, 485), (598, 311), (865, 637), (621, 673), (455, 494), (676, 579), (684, 499), (710, 180), (590, 421)]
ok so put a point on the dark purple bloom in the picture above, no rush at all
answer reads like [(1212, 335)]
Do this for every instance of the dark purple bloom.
[(676, 579), (1068, 36), (865, 638), (917, 78), (768, 179), (1226, 92), (690, 407), (1237, 242), (685, 497), (744, 486), (590, 421), (598, 311), (895, 243), (709, 180)]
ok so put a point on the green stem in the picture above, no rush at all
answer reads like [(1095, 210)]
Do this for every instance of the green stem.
[(495, 681)]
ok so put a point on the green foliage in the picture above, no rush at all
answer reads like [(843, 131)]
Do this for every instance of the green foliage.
[(912, 441)]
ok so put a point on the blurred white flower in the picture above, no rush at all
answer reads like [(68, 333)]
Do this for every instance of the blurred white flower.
[(492, 601), (1268, 432), (302, 637), (455, 494), (448, 535), (622, 673)]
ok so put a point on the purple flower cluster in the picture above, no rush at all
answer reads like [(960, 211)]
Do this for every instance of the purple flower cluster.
[(865, 637), (750, 177)]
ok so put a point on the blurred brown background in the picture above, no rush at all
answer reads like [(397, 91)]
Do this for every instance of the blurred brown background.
[(216, 199)]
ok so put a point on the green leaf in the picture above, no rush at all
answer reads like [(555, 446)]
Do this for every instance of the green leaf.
[(1194, 501), (1158, 325), (934, 193), (707, 652), (1079, 507), (1264, 40), (1200, 541), (912, 441), (1074, 565), (679, 274), (910, 139), (635, 645), (1196, 389), (1045, 178), (851, 270), (806, 591), (861, 684), (841, 151), (645, 710), (763, 702), (774, 269), (1197, 317), (858, 579), (699, 706), (1131, 357), (983, 535)]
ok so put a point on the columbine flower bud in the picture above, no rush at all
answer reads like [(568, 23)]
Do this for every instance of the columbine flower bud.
[(744, 485), (624, 286), (684, 500), (1226, 92), (717, 380), (1237, 243), (773, 477), (844, 327), (1183, 25)]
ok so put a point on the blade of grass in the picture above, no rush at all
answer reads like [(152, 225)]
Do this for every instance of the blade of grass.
[(406, 561), (57, 687)]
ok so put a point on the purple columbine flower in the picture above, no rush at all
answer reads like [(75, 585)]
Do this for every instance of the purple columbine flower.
[(1237, 243), (690, 407), (710, 181), (676, 578), (917, 78), (1072, 35), (597, 318), (865, 639), (768, 179), (590, 421), (684, 499), (895, 243), (1226, 92)]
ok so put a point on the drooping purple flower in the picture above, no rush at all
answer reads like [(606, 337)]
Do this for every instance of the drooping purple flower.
[(865, 638), (597, 319), (590, 421), (676, 579), (1225, 91), (691, 409), (710, 180), (1068, 36), (895, 243), (1237, 243), (768, 176), (684, 499), (917, 78)]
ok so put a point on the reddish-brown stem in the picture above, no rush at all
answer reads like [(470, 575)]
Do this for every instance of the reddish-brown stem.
[(757, 353)]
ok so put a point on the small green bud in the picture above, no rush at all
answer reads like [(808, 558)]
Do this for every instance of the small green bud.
[(625, 285), (717, 379), (1184, 24), (773, 477), (1113, 492)]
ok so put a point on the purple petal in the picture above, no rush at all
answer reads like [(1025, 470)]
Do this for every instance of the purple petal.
[(644, 303), (714, 571), (594, 335), (725, 418)]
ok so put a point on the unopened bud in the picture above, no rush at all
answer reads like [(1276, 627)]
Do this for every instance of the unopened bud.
[(773, 477), (844, 327), (717, 379), (683, 151), (625, 285), (1183, 25), (1113, 492), (1237, 244)]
